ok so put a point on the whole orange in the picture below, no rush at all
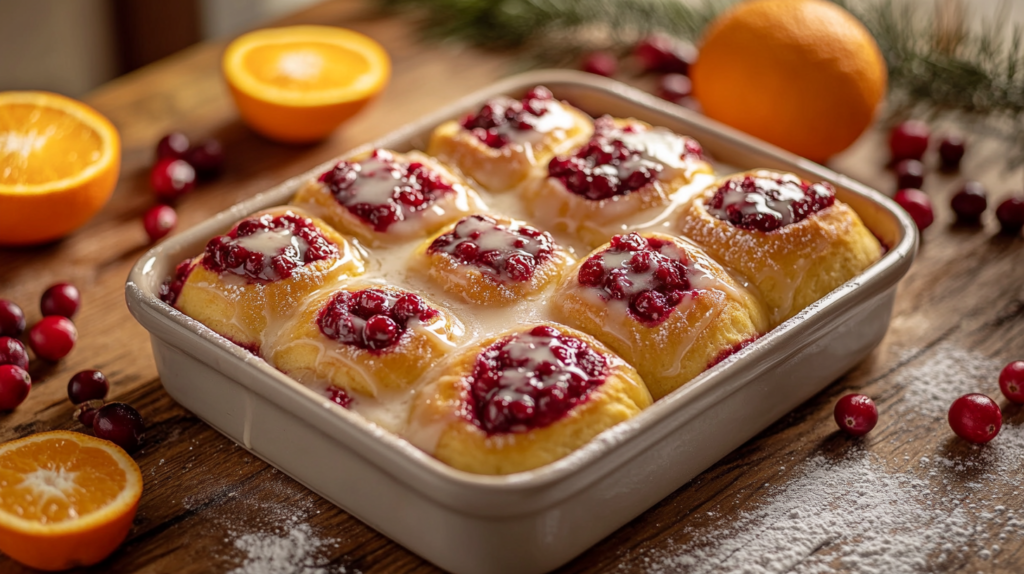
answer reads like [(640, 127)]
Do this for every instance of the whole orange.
[(804, 75)]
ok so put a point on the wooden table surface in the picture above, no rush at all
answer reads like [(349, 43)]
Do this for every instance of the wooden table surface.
[(202, 492)]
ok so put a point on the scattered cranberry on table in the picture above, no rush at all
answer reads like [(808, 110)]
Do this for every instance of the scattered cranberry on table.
[(61, 299), (1011, 382), (909, 140), (856, 414), (12, 352), (674, 87), (918, 205), (89, 385), (120, 424), (975, 418), (15, 383), (207, 157), (12, 319), (1010, 214), (662, 53), (909, 174), (174, 145), (600, 63), (951, 151), (159, 221), (970, 202), (172, 178), (53, 337)]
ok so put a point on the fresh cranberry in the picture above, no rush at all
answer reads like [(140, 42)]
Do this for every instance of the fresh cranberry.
[(1010, 214), (514, 252), (661, 53), (909, 140), (600, 63), (174, 145), (531, 379), (730, 351), (909, 174), (500, 118), (12, 319), (171, 288), (53, 337), (371, 319), (339, 397), (975, 418), (970, 202), (652, 281), (268, 248), (15, 383), (159, 220), (763, 203), (12, 352), (86, 412), (207, 157), (918, 205), (1011, 381), (382, 190), (674, 87), (120, 424), (172, 178), (61, 299), (856, 414), (88, 385), (951, 151)]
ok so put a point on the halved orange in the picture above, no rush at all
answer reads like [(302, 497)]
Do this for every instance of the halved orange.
[(297, 84), (59, 163), (66, 499)]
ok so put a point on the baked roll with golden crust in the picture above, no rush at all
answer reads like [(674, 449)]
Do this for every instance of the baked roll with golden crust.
[(370, 341), (661, 304), (793, 239), (491, 260), (627, 167), (501, 144), (523, 399), (259, 271), (384, 197)]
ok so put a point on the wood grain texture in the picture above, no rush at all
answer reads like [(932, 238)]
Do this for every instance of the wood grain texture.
[(202, 491)]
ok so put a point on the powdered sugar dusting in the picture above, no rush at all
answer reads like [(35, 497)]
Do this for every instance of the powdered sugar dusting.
[(860, 512), (295, 550)]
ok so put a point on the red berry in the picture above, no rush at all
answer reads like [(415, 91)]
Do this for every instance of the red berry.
[(12, 352), (15, 383), (172, 178), (909, 140), (207, 157), (1011, 381), (918, 205), (12, 319), (909, 174), (674, 87), (1010, 214), (61, 299), (86, 412), (951, 151), (159, 221), (661, 53), (88, 385), (970, 202), (173, 145), (120, 424), (856, 414), (975, 418), (53, 337), (381, 331), (600, 63)]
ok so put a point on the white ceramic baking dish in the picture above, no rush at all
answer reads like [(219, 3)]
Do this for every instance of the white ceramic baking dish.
[(532, 521)]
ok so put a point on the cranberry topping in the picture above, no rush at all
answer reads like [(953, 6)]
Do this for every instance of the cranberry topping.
[(268, 248), (339, 397), (382, 190), (530, 380), (509, 252), (371, 319), (766, 203), (730, 351), (503, 120), (650, 274), (620, 160), (172, 286)]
